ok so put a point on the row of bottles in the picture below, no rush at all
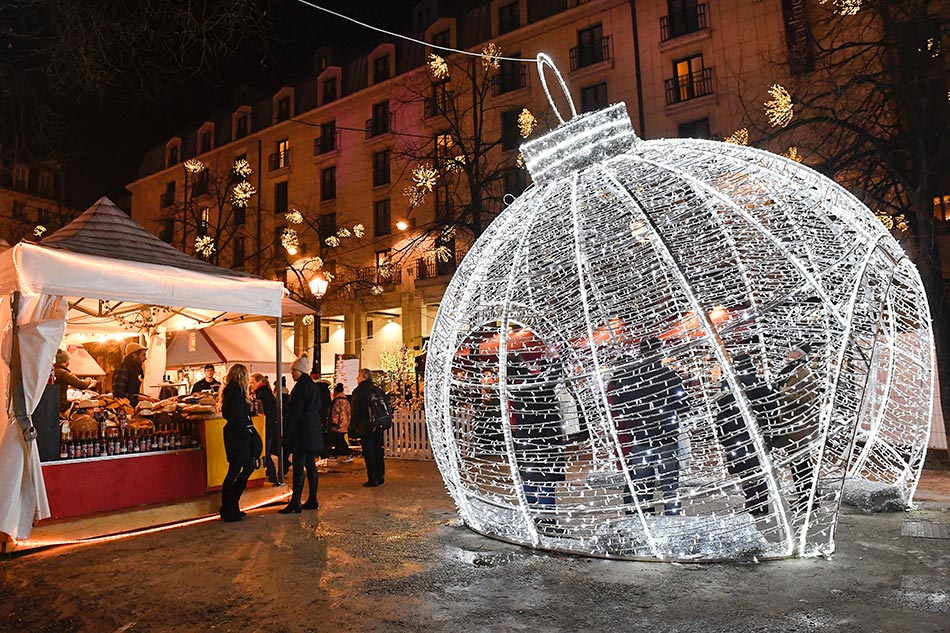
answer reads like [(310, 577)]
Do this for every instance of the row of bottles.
[(124, 441)]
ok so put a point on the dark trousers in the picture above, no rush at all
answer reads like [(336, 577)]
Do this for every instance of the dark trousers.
[(268, 462), (335, 442), (304, 463), (373, 455), (233, 487), (655, 469)]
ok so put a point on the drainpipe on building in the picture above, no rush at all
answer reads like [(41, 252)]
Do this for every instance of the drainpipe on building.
[(260, 194), (642, 131)]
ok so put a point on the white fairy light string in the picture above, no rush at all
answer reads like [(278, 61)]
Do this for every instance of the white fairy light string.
[(676, 350)]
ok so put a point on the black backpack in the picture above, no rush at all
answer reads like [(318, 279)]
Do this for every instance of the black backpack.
[(256, 444), (380, 413)]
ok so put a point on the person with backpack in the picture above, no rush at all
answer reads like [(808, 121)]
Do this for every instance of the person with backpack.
[(369, 418), (304, 431)]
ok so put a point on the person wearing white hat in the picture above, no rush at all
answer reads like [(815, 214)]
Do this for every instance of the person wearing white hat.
[(304, 435), (127, 379)]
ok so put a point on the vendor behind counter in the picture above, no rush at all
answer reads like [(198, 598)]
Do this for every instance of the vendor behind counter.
[(66, 379)]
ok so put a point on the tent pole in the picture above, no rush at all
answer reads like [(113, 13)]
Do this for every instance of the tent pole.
[(15, 395), (278, 389)]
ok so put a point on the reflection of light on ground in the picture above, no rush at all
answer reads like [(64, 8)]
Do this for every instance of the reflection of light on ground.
[(46, 543)]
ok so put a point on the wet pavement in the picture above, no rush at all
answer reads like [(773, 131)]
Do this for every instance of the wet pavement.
[(395, 558)]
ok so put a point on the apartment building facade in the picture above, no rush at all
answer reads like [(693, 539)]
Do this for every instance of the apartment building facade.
[(342, 145), (31, 200)]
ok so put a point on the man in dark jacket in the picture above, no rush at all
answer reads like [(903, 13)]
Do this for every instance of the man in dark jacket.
[(361, 426), (740, 456), (262, 392), (208, 383), (127, 379), (648, 405), (304, 431)]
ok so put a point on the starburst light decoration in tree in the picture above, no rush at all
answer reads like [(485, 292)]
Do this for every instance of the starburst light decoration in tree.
[(194, 166), (739, 137), (792, 154), (490, 56), (204, 245), (242, 168), (289, 240), (779, 109), (676, 349), (526, 123), (241, 193), (38, 230), (437, 67), (294, 217)]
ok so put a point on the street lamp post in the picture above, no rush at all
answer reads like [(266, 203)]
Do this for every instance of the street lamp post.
[(318, 286)]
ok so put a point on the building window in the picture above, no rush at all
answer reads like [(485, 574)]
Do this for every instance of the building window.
[(381, 168), (690, 80), (438, 103), (380, 69), (511, 75), (280, 197), (443, 149), (283, 109), (694, 129), (683, 17), (199, 186), (443, 202), (47, 184), (240, 215), (329, 90), (168, 231), (172, 156), (509, 18), (379, 124), (942, 208), (327, 141), (205, 143), (442, 38), (237, 256), (204, 220), (516, 180), (328, 183), (594, 97), (281, 158), (382, 222), (510, 136), (541, 9), (326, 225), (240, 127), (369, 328), (168, 198), (591, 47)]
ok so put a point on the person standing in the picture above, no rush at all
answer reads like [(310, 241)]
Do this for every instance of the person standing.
[(304, 430), (237, 442), (208, 383), (649, 405), (361, 426), (127, 379), (65, 378), (339, 425), (260, 387)]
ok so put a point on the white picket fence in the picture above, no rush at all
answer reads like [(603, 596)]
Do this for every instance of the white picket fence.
[(408, 439)]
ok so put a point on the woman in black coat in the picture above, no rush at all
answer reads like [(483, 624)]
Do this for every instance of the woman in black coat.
[(237, 442), (304, 430)]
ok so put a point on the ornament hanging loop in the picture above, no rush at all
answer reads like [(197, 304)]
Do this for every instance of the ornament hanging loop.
[(544, 60)]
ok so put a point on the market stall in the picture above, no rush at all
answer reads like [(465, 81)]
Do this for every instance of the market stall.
[(101, 273)]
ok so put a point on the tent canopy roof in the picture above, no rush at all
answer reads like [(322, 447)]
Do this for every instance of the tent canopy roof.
[(112, 266)]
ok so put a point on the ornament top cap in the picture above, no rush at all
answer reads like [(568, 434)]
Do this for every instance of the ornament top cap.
[(580, 141)]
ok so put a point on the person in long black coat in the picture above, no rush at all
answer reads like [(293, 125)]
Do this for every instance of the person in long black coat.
[(304, 430), (262, 391), (361, 426), (237, 442)]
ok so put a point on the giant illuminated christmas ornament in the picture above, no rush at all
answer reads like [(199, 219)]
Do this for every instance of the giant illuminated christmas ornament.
[(676, 350)]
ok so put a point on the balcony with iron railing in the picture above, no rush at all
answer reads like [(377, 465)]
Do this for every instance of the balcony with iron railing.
[(431, 268), (691, 86), (326, 143), (434, 106), (199, 186), (278, 160), (388, 276), (590, 54), (679, 23), (380, 125), (509, 79)]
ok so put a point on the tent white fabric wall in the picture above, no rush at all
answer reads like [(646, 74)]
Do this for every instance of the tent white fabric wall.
[(44, 278)]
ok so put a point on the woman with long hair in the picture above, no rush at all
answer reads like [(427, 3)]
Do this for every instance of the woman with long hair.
[(237, 441)]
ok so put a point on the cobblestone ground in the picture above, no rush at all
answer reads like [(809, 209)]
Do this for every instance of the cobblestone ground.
[(395, 558)]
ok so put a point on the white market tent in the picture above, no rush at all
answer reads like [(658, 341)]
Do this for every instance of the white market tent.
[(102, 272), (250, 343)]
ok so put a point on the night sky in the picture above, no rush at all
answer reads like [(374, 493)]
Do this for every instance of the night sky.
[(110, 138)]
